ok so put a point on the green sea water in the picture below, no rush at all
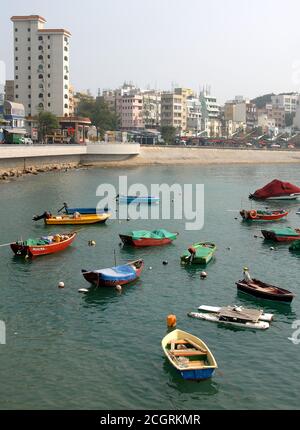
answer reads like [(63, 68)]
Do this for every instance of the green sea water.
[(102, 350)]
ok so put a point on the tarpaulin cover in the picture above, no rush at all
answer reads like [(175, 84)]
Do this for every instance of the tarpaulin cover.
[(155, 234), (276, 188)]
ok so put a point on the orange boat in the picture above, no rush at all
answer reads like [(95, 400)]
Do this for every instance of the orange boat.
[(262, 215), (44, 245)]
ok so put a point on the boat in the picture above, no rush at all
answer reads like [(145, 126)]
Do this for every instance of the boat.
[(44, 245), (189, 355), (263, 215), (265, 291), (286, 234), (295, 246), (137, 199), (276, 190), (83, 211), (76, 218), (298, 212), (199, 253), (237, 316), (118, 275), (142, 238)]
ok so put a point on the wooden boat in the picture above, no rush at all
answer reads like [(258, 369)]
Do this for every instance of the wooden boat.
[(44, 245), (138, 199), (277, 190), (189, 355), (83, 211), (262, 215), (118, 275), (141, 238), (265, 291), (286, 234), (199, 253), (234, 315), (76, 218)]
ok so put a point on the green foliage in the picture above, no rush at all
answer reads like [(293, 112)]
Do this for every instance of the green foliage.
[(100, 114), (261, 101), (47, 122), (168, 133), (289, 117)]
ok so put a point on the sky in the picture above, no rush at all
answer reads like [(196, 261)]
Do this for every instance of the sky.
[(236, 47)]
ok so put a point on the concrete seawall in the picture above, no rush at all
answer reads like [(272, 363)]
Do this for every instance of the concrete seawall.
[(17, 159)]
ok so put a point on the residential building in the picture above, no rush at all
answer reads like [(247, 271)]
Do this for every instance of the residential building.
[(71, 101), (79, 97), (184, 93), (194, 115), (41, 66), (130, 111), (209, 106), (251, 115), (9, 90), (151, 108), (286, 101), (267, 124), (14, 115), (109, 96), (277, 113), (172, 110)]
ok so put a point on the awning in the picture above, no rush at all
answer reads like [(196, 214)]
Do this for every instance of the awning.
[(15, 130)]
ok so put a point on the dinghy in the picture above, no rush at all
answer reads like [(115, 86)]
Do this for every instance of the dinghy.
[(76, 218), (112, 276), (189, 355), (265, 291), (199, 253), (262, 215), (138, 199), (234, 315), (44, 245), (141, 238), (286, 234)]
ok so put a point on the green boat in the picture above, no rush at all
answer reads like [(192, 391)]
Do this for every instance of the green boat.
[(199, 253), (295, 246)]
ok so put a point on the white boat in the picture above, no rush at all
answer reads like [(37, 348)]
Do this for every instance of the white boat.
[(298, 212), (234, 315), (286, 197)]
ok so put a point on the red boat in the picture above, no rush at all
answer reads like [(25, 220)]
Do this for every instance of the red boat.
[(127, 240), (287, 234), (44, 245), (262, 215), (143, 238), (276, 190)]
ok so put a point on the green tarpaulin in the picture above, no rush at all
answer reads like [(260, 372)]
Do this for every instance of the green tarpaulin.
[(154, 234), (287, 231)]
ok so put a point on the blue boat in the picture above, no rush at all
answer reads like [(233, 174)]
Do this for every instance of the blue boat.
[(138, 199), (83, 211), (189, 355), (112, 276)]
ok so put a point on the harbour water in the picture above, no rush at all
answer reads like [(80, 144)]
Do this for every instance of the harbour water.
[(102, 350)]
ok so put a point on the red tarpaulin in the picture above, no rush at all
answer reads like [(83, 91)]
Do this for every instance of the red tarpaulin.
[(275, 188)]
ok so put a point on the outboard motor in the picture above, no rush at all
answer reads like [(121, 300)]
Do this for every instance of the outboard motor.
[(45, 215)]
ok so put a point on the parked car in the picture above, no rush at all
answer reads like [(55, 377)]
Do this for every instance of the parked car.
[(26, 140)]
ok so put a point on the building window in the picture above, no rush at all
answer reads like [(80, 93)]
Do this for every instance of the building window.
[(29, 86), (49, 75), (48, 46), (28, 39), (29, 105), (66, 96), (66, 58), (16, 48), (16, 29), (40, 37), (48, 57), (29, 58), (17, 86), (17, 67), (29, 77), (16, 96), (17, 77), (17, 58), (29, 96), (41, 105), (29, 49), (48, 37), (41, 96), (16, 39), (41, 86), (66, 39), (66, 49), (66, 77), (66, 87), (40, 47), (49, 104), (41, 76), (66, 106), (49, 95), (41, 57), (28, 29), (29, 68), (49, 66)]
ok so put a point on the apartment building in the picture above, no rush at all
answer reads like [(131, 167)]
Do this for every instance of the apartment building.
[(286, 101), (9, 90), (41, 66), (151, 108), (172, 110)]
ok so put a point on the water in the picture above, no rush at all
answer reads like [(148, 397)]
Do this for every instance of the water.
[(102, 350)]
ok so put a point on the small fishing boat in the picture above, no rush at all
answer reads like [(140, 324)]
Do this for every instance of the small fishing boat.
[(189, 355), (199, 253), (265, 291), (83, 211), (76, 218), (142, 238), (44, 245), (118, 275), (234, 315), (286, 234), (262, 215), (138, 199), (276, 190)]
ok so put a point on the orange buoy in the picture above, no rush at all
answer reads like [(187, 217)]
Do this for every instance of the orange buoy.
[(171, 320)]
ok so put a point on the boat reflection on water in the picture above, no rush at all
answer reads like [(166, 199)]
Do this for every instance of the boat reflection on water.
[(206, 387)]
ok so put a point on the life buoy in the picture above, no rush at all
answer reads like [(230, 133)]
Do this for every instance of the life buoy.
[(253, 213)]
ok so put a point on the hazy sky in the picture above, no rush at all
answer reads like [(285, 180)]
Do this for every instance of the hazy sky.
[(247, 47)]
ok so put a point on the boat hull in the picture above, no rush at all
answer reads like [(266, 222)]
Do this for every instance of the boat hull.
[(85, 211), (99, 279), (83, 219), (127, 240), (34, 251), (275, 216), (260, 325), (285, 297), (196, 375)]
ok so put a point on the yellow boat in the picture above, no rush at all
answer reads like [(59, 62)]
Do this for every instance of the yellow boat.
[(76, 218)]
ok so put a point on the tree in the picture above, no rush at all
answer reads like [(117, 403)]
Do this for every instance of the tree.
[(47, 122), (168, 133), (100, 114)]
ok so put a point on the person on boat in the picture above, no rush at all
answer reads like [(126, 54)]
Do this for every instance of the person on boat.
[(247, 276)]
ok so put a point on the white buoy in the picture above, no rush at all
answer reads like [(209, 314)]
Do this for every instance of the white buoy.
[(92, 242), (150, 268), (61, 285), (118, 288), (272, 248), (83, 290), (203, 275)]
